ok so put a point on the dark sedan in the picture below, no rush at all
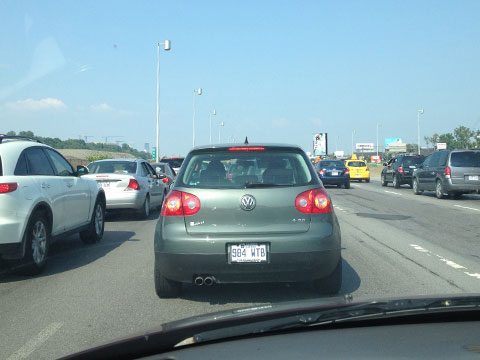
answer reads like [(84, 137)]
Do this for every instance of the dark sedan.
[(333, 172)]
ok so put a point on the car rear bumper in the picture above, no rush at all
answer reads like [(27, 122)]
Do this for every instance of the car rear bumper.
[(359, 176), (282, 267), (461, 188), (125, 200), (12, 226), (334, 180)]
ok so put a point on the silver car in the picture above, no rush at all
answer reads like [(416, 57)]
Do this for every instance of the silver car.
[(129, 184)]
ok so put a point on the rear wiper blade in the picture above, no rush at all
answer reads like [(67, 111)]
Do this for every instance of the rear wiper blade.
[(260, 185)]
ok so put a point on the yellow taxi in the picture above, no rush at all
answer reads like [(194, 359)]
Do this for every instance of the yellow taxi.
[(358, 170)]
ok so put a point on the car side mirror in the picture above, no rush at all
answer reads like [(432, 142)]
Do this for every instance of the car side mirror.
[(81, 170), (385, 164)]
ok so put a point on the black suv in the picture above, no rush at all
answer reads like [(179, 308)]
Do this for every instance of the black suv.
[(399, 170), (449, 172)]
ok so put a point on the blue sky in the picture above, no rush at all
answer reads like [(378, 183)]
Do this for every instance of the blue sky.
[(277, 71)]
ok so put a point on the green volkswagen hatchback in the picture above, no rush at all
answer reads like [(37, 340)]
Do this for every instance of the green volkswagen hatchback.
[(247, 214)]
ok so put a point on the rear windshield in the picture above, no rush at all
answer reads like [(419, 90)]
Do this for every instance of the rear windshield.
[(238, 169), (112, 167), (357, 164), (465, 159), (176, 163), (412, 160), (159, 168), (331, 164)]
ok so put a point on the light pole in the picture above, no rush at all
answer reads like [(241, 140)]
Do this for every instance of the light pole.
[(353, 133), (378, 124), (214, 112), (419, 112), (166, 47), (195, 92), (219, 127)]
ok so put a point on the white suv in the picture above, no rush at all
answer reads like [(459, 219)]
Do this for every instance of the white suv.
[(42, 198)]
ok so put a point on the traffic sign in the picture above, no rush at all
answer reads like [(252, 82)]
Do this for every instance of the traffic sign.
[(154, 153)]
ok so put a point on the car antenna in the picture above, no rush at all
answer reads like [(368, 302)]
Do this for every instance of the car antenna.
[(246, 140)]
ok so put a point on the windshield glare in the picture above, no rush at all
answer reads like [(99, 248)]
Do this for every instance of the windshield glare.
[(112, 167)]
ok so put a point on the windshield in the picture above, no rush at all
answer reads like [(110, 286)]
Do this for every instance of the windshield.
[(313, 97), (113, 167), (465, 159), (414, 160), (238, 169)]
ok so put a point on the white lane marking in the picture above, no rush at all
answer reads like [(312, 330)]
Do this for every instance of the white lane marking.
[(466, 207), (35, 342), (392, 192), (446, 261)]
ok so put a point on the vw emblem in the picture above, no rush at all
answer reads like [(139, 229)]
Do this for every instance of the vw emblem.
[(247, 202)]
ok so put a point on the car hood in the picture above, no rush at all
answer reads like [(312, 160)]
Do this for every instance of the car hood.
[(265, 318)]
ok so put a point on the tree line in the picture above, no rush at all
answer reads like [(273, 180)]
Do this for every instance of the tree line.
[(461, 138), (57, 143)]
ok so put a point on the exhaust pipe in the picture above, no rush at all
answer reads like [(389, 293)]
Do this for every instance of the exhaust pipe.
[(198, 281), (209, 280)]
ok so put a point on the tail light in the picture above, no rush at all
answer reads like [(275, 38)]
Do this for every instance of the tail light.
[(314, 201), (400, 169), (133, 185), (322, 172), (346, 172), (165, 180), (368, 169), (8, 187), (178, 203), (448, 172)]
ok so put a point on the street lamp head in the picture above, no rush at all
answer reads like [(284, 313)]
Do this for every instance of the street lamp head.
[(379, 124), (198, 91), (420, 111), (214, 112), (222, 124), (167, 45)]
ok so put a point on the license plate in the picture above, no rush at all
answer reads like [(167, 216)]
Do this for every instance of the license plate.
[(105, 184), (473, 178), (248, 253), (358, 175), (334, 173)]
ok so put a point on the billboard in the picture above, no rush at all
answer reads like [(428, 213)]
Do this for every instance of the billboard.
[(364, 146), (320, 144), (441, 146), (392, 140)]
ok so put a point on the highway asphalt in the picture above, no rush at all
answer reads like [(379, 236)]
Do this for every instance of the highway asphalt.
[(394, 244)]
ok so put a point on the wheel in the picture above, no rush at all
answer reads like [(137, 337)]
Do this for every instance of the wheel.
[(37, 237), (367, 180), (347, 185), (439, 190), (396, 183), (384, 181), (97, 224), (415, 187), (145, 210), (332, 283), (164, 287)]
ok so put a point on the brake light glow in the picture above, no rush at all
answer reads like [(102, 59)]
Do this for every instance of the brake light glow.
[(346, 172), (322, 172), (400, 169), (8, 187), (247, 148), (165, 180), (448, 172), (314, 201), (178, 203), (133, 185), (368, 169)]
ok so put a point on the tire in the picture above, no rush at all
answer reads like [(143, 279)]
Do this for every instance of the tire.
[(37, 237), (415, 187), (332, 283), (367, 180), (396, 183), (97, 224), (347, 185), (145, 210), (164, 287), (384, 181), (439, 190)]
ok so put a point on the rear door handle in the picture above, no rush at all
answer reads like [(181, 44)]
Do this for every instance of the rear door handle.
[(45, 186), (69, 184)]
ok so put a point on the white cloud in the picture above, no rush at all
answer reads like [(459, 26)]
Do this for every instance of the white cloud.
[(282, 122), (102, 107), (37, 105)]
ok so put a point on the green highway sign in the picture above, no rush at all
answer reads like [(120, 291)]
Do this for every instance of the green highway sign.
[(154, 153)]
